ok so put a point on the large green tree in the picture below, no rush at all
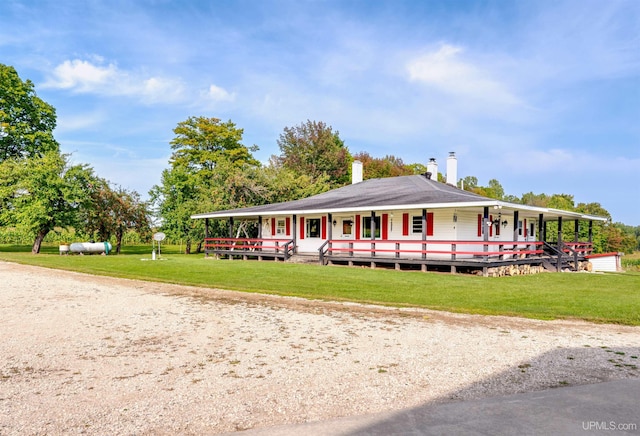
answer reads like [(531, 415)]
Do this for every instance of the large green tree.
[(207, 154), (26, 121), (41, 193), (314, 149), (201, 143)]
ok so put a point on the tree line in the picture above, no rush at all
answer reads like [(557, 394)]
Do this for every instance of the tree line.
[(209, 169)]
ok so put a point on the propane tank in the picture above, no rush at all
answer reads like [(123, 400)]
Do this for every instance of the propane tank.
[(90, 247)]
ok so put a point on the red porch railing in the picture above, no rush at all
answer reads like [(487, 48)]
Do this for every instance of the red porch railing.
[(277, 248), (581, 248), (417, 249)]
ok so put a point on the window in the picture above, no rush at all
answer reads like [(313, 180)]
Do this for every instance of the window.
[(417, 224), (281, 227), (366, 227), (520, 228), (347, 227), (313, 227)]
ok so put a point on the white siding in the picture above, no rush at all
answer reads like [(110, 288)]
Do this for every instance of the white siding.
[(448, 225), (610, 263)]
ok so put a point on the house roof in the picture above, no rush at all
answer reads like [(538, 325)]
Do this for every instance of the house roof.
[(394, 193)]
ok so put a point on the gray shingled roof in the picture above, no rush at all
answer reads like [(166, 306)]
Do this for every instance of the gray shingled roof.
[(392, 192)]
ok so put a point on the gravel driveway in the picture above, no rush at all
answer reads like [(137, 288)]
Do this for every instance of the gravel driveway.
[(93, 355)]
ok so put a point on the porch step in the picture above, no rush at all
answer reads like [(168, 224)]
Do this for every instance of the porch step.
[(549, 266), (304, 258)]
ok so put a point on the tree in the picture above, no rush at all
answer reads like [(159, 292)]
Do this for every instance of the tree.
[(178, 196), (285, 185), (617, 240), (538, 200), (561, 201), (315, 150), (417, 168), (26, 121), (130, 213), (470, 183), (494, 190), (207, 153), (41, 193), (114, 211), (201, 142), (388, 166)]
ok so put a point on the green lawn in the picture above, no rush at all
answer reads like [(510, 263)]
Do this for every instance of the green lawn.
[(610, 298)]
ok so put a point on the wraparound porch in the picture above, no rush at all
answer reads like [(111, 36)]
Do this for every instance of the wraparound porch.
[(413, 254)]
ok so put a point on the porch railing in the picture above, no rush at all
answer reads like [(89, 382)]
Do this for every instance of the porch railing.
[(580, 248), (419, 249), (277, 248)]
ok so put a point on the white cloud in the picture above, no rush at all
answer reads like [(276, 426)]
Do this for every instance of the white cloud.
[(159, 89), (215, 93), (84, 76), (95, 77), (444, 70)]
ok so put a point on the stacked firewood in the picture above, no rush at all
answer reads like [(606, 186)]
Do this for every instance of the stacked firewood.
[(519, 270), (514, 270)]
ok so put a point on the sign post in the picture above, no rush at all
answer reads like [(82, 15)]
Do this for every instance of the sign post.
[(157, 237)]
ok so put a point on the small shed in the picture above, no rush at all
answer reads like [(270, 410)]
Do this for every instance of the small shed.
[(606, 262)]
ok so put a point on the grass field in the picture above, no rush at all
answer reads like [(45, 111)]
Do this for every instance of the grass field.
[(609, 298), (631, 262)]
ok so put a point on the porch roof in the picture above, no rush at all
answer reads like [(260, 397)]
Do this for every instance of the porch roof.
[(388, 194)]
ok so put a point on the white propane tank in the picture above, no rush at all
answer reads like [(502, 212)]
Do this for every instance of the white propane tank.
[(90, 247)]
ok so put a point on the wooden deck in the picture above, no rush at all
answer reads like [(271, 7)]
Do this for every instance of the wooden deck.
[(451, 256)]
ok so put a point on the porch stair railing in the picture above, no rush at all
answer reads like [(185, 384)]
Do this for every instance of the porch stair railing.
[(563, 254), (250, 247)]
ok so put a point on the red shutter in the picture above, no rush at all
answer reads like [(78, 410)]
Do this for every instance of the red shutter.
[(273, 227), (405, 224), (491, 225), (479, 225), (288, 226), (526, 230), (429, 223), (385, 226), (301, 227), (324, 227), (357, 226)]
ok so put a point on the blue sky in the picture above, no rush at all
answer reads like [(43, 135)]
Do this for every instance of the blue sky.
[(543, 96)]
